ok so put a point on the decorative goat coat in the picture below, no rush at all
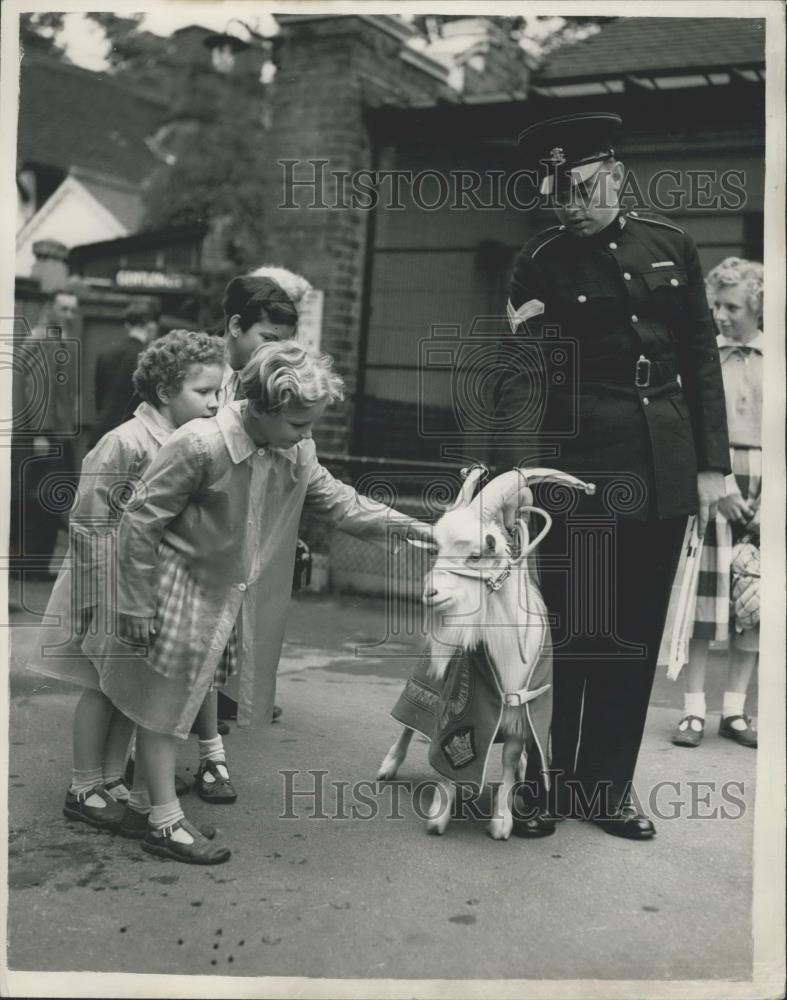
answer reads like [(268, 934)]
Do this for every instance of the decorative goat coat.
[(232, 509), (461, 714)]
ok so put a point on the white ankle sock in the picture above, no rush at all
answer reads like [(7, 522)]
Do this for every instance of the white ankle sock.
[(84, 781), (213, 750), (161, 817), (694, 704), (733, 705)]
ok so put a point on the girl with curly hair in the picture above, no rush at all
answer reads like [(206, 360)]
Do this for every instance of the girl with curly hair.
[(219, 515), (727, 609), (177, 378)]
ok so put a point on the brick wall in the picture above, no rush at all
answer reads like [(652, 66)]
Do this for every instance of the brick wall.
[(330, 69)]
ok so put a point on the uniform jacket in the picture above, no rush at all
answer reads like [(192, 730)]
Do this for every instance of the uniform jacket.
[(583, 311), (233, 509)]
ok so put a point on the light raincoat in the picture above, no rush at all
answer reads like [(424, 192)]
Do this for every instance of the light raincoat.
[(232, 509), (108, 477)]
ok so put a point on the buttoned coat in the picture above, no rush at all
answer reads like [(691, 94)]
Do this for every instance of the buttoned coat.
[(110, 472), (582, 312)]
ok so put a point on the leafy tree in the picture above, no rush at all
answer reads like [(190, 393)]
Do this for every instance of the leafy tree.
[(134, 54), (215, 142), (40, 31), (535, 33)]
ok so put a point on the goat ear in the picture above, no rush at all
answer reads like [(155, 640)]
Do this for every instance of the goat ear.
[(490, 544)]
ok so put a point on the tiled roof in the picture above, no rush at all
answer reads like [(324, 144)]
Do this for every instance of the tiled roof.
[(125, 203), (73, 117), (639, 45)]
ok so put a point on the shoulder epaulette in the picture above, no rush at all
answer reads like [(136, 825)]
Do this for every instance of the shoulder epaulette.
[(544, 239), (654, 220)]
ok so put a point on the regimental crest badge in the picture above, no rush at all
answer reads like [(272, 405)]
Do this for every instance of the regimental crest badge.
[(459, 747), (557, 157), (457, 691)]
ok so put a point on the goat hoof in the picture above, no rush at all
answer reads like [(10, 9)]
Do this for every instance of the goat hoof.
[(500, 827), (388, 768), (436, 828)]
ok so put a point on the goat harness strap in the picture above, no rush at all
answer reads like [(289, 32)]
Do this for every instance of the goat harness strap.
[(493, 580), (516, 699)]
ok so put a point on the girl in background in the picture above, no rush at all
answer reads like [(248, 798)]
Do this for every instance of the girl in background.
[(178, 378), (735, 292)]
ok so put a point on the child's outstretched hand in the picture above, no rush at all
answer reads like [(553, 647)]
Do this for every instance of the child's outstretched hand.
[(135, 630)]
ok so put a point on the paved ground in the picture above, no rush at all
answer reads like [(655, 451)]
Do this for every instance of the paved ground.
[(352, 897)]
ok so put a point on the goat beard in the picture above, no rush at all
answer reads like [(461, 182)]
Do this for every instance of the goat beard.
[(448, 640), (493, 625)]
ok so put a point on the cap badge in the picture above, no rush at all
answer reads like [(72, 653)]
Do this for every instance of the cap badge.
[(557, 156)]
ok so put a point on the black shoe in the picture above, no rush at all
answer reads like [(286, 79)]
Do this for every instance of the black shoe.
[(543, 824), (277, 714), (201, 852), (218, 790), (627, 822), (105, 817), (687, 734), (746, 737)]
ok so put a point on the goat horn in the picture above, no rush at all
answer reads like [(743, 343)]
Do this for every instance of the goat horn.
[(512, 489), (471, 478), (556, 476), (500, 493)]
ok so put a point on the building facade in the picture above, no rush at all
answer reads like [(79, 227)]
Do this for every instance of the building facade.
[(424, 256)]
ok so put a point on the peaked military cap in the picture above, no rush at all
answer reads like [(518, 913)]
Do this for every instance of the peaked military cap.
[(570, 149)]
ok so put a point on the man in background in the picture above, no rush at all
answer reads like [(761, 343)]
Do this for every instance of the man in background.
[(115, 366), (44, 426)]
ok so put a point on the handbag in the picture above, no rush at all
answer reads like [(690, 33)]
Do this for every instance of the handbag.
[(674, 649), (745, 589)]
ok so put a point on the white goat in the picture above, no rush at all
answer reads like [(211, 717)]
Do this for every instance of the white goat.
[(480, 593)]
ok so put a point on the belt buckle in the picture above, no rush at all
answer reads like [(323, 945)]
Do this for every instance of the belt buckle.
[(512, 700), (639, 381)]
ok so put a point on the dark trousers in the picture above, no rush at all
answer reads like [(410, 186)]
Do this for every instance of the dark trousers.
[(606, 583), (40, 501)]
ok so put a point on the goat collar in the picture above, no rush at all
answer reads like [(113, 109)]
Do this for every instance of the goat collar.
[(493, 578)]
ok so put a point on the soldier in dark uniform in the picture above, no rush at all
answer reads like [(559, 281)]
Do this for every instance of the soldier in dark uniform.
[(611, 373)]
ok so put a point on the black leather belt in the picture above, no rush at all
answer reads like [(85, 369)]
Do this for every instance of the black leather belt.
[(642, 374)]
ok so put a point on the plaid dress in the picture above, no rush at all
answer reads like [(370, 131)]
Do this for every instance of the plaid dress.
[(713, 619), (177, 648)]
